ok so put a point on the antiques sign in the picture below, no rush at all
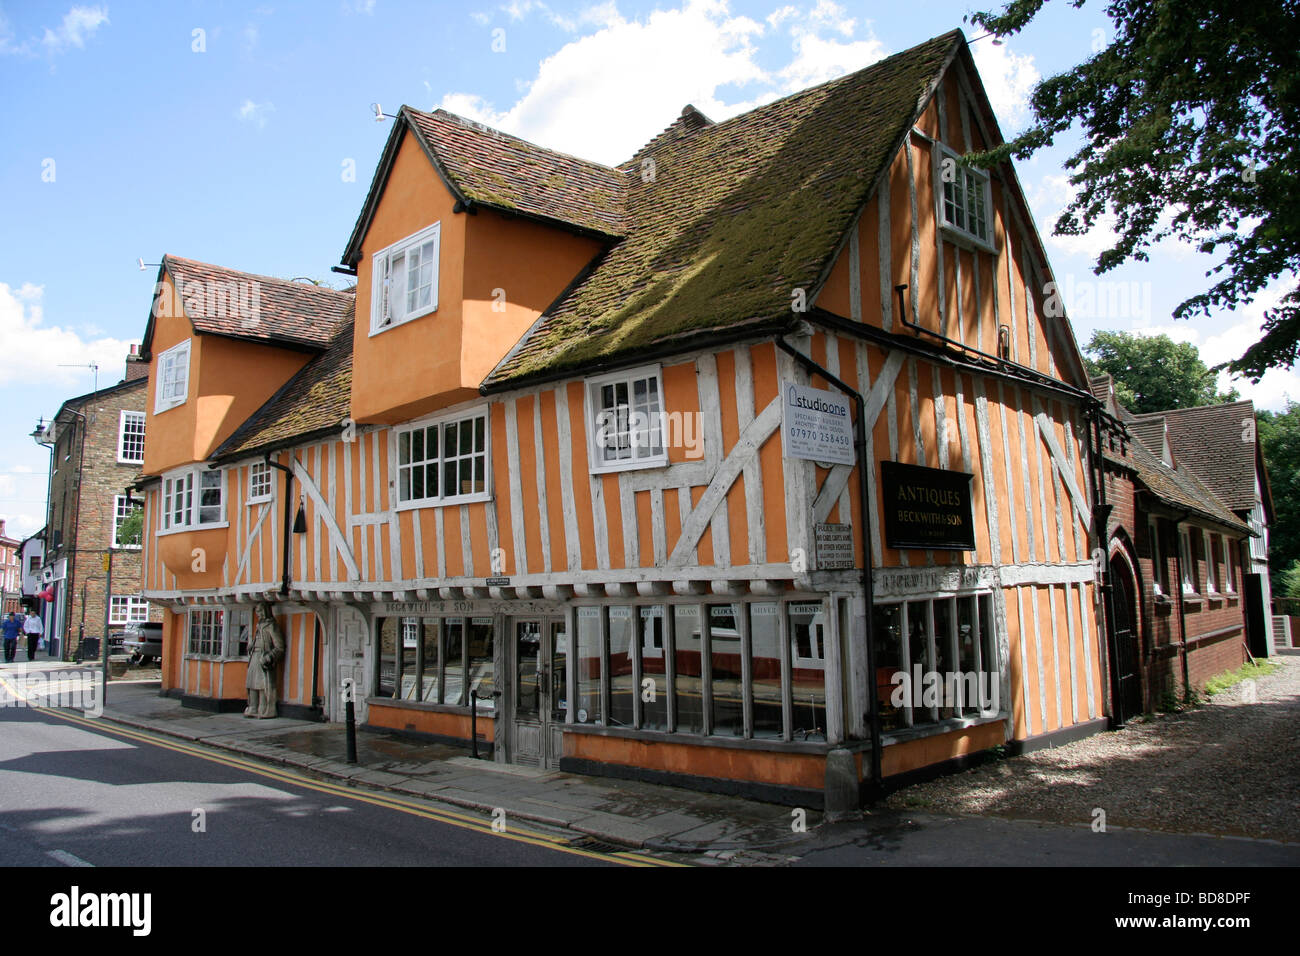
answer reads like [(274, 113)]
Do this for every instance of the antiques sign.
[(927, 508), (816, 425)]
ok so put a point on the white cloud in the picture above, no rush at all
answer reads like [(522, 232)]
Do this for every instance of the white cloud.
[(818, 59), (255, 113), (1008, 79), (603, 95), (39, 351), (78, 25), (359, 6)]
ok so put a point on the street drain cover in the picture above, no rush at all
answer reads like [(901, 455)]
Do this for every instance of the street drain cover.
[(595, 846)]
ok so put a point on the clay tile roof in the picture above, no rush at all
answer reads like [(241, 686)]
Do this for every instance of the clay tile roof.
[(1100, 386), (1217, 442), (1150, 431), (737, 215), (508, 173), (256, 308), (316, 400)]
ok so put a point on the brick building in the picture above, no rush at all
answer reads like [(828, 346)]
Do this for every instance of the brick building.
[(1220, 445), (97, 444), (1177, 554), (10, 571)]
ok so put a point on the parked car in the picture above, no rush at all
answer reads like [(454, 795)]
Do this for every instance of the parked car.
[(143, 642)]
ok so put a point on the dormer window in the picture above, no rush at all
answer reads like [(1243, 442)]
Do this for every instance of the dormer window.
[(405, 280), (964, 201), (173, 383)]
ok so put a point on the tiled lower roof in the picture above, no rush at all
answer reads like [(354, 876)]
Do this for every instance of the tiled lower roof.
[(315, 400)]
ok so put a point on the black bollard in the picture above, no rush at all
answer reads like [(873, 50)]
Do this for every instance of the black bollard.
[(350, 715)]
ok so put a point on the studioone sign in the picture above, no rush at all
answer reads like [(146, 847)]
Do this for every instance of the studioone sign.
[(816, 425), (927, 508)]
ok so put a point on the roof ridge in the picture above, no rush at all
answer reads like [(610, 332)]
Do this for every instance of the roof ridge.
[(312, 287), (493, 131)]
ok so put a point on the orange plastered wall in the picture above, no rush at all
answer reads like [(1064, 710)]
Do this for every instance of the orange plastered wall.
[(228, 381), (514, 269), (414, 368)]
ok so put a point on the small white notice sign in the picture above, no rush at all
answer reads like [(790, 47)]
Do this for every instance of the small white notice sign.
[(834, 546), (816, 425)]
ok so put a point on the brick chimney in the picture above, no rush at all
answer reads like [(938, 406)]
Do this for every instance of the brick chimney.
[(136, 367)]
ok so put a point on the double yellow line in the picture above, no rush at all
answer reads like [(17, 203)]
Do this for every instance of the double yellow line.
[(464, 821)]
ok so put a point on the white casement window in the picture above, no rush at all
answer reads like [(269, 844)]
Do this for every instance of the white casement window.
[(173, 381), (219, 632), (1189, 567), (1158, 581), (405, 280), (193, 498), (1211, 564), (964, 200), (128, 609), (1229, 573), (625, 412), (259, 482), (443, 461), (122, 510), (130, 438)]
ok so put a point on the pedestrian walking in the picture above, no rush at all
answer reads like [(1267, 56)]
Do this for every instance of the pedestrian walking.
[(33, 628), (11, 627)]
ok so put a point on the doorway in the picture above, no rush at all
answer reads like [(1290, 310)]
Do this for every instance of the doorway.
[(350, 653), (539, 699), (1128, 677)]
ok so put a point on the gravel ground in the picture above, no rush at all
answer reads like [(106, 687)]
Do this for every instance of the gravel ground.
[(1229, 767)]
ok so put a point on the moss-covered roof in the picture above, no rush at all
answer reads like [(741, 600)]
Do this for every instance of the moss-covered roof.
[(731, 217), (316, 399)]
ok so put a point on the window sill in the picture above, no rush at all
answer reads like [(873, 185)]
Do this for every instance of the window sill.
[(700, 740), (941, 727), (264, 500), (130, 461), (195, 527), (428, 706), (398, 324), (660, 462), (442, 502), (127, 547), (215, 659), (1195, 600), (961, 237)]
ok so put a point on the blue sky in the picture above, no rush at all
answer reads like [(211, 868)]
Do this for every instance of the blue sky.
[(225, 132)]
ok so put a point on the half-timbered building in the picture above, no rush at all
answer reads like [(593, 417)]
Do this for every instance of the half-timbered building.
[(697, 468)]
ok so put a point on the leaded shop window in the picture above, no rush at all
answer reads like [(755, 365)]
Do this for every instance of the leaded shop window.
[(654, 690), (807, 624), (726, 671), (935, 660), (735, 670), (622, 686), (688, 683), (588, 667)]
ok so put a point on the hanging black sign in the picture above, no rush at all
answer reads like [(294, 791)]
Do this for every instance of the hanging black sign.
[(927, 508)]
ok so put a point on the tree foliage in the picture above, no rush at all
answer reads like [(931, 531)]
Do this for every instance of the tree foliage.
[(1191, 119), (1279, 436), (131, 529), (1154, 373)]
